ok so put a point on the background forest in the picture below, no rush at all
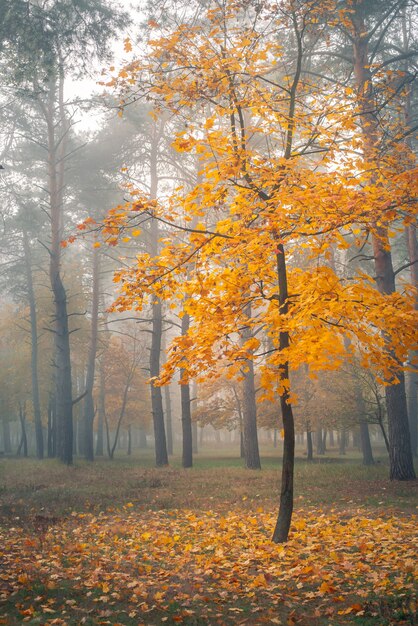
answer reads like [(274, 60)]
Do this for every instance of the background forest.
[(209, 259)]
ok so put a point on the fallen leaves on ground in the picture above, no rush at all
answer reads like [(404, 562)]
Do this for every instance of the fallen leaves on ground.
[(181, 566)]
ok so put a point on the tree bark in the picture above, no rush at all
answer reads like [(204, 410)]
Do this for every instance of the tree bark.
[(129, 450), (366, 446), (101, 409), (249, 407), (88, 417), (161, 456), (411, 231), (168, 419), (309, 444), (343, 442), (52, 430), (281, 531), (400, 452), (39, 437), (23, 437), (320, 449), (186, 413), (62, 362)]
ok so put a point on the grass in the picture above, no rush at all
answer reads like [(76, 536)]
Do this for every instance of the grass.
[(29, 487), (44, 504)]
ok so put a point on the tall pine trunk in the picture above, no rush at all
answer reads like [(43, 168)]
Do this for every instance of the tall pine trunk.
[(39, 436), (57, 140), (88, 417), (161, 455)]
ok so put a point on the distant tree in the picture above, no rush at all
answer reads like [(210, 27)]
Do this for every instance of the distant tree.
[(45, 43)]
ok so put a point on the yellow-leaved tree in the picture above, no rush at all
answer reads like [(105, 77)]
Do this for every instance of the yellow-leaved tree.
[(279, 172)]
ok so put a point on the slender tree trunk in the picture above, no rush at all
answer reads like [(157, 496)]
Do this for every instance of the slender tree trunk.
[(52, 428), (108, 448), (249, 407), (309, 444), (168, 419), (101, 409), (121, 414), (284, 518), (320, 442), (413, 375), (186, 414), (343, 442), (23, 437), (62, 361), (400, 451), (129, 450), (366, 446), (161, 455), (34, 349), (412, 245), (91, 362)]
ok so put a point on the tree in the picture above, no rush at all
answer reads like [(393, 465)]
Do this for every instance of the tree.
[(400, 451), (46, 41), (124, 355), (264, 139)]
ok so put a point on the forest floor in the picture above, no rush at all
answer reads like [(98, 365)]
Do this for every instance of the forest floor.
[(124, 543)]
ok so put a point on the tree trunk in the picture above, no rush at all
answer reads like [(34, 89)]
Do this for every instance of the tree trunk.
[(186, 425), (186, 414), (249, 407), (343, 442), (112, 449), (365, 443), (91, 363), (34, 349), (101, 408), (129, 450), (413, 375), (309, 443), (281, 531), (366, 446), (320, 442), (161, 456), (400, 451), (23, 437), (168, 419), (52, 428), (62, 361)]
